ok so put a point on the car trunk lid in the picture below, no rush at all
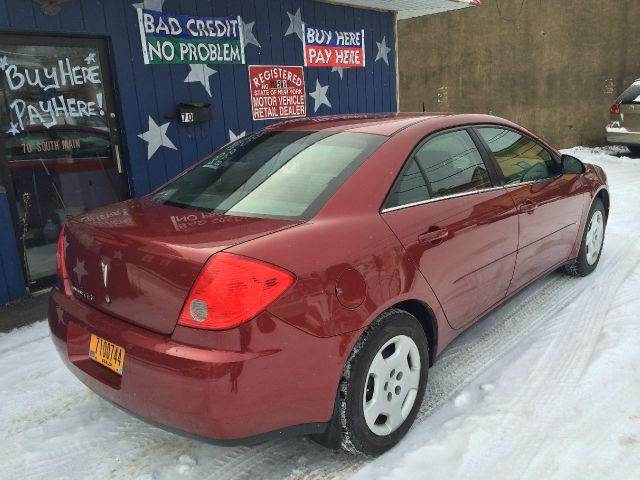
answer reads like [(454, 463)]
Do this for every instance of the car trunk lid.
[(138, 259)]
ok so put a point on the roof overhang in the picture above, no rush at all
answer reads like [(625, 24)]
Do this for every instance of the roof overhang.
[(409, 8)]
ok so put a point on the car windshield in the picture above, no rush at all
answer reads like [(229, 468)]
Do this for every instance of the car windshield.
[(281, 174)]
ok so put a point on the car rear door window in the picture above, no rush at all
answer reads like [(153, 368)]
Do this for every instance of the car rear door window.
[(452, 164), (519, 158), (411, 187), (447, 164)]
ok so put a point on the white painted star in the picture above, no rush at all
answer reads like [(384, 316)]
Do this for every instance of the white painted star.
[(155, 5), (248, 38), (156, 137), (295, 25), (60, 315), (79, 270), (3, 63), (233, 137), (320, 96), (201, 73), (91, 58), (117, 255), (13, 130), (383, 51), (340, 71)]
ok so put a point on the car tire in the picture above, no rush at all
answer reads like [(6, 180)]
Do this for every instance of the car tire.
[(383, 384), (591, 244)]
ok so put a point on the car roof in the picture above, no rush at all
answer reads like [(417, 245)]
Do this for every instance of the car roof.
[(386, 124)]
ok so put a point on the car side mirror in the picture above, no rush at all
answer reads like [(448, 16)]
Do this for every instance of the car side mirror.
[(571, 165)]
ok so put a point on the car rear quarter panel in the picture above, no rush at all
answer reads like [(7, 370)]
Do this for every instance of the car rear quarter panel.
[(320, 252)]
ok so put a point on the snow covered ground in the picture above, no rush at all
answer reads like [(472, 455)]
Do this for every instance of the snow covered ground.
[(547, 386)]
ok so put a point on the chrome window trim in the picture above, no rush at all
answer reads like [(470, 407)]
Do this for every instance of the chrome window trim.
[(444, 197), (475, 126), (470, 192), (531, 182)]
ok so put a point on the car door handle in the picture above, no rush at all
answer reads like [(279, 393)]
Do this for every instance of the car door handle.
[(527, 206), (433, 236)]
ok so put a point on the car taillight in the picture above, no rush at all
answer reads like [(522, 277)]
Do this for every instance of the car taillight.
[(230, 290), (61, 269), (615, 108), (60, 260)]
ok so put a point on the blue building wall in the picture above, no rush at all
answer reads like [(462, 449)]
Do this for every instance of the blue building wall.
[(153, 90), (144, 91)]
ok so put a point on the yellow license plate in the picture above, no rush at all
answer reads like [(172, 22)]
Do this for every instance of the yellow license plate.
[(106, 353)]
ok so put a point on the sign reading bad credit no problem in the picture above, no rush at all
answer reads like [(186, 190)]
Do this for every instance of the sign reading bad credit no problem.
[(169, 38)]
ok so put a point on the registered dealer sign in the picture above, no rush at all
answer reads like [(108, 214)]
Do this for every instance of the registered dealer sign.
[(277, 92)]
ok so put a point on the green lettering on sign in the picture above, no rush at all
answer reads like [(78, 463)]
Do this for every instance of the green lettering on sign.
[(163, 50)]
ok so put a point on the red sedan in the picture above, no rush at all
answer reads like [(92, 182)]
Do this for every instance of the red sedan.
[(304, 278)]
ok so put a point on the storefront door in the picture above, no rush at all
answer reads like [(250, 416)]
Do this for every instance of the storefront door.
[(60, 152)]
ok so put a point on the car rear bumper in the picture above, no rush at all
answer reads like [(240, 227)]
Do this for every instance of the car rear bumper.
[(235, 386), (622, 136)]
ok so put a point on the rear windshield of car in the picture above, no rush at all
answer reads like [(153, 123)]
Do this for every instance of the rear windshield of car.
[(630, 95), (278, 174)]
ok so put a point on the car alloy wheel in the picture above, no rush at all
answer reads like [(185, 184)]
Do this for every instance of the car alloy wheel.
[(591, 244), (383, 383), (392, 385), (595, 235)]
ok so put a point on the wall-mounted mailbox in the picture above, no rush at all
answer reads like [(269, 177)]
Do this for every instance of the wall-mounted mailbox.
[(194, 112)]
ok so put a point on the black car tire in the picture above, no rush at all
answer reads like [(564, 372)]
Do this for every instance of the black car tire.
[(580, 267), (356, 436)]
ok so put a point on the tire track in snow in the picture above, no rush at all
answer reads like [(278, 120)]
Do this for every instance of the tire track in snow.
[(511, 323), (148, 445), (56, 407), (22, 344), (554, 369)]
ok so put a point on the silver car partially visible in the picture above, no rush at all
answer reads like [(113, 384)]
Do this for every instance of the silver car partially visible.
[(624, 127)]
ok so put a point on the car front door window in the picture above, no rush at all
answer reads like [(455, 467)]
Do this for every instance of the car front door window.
[(519, 158)]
